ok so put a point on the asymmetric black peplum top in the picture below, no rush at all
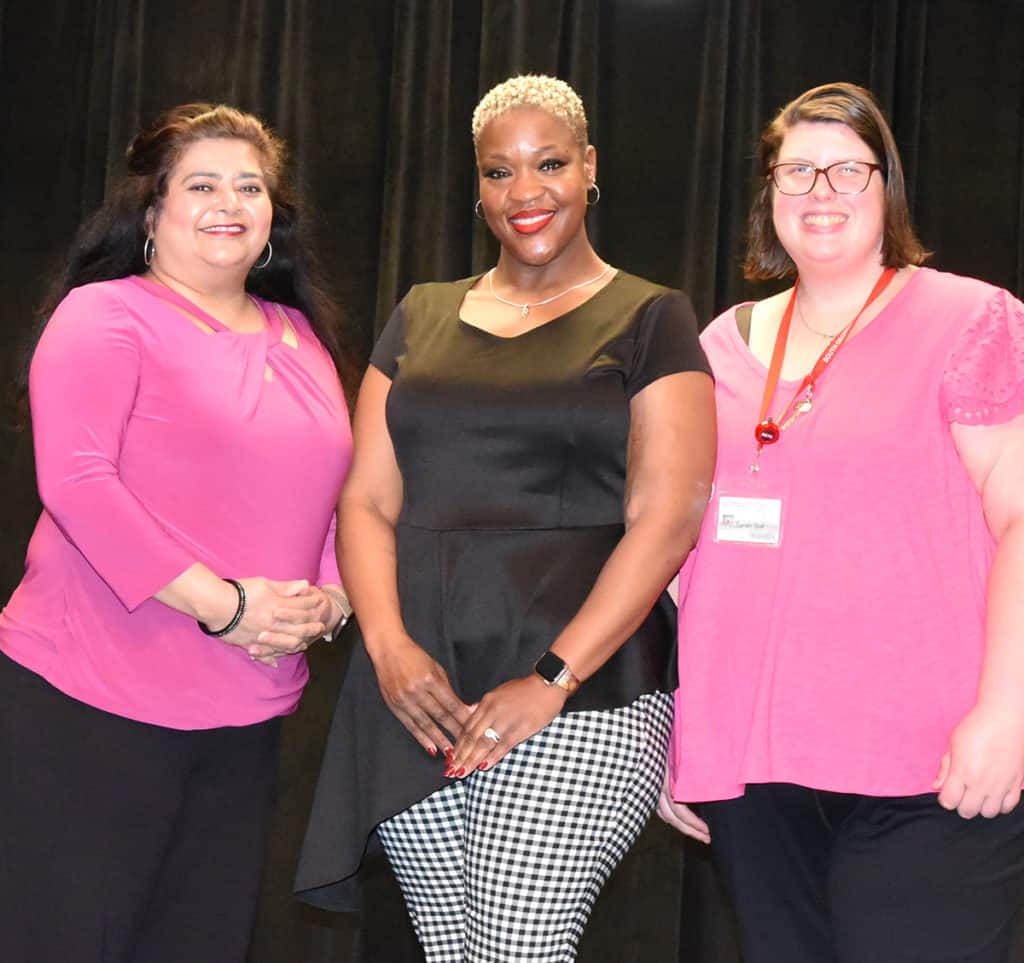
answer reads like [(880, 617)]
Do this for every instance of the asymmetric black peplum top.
[(513, 460)]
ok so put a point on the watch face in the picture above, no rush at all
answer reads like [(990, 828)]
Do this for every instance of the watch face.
[(549, 666)]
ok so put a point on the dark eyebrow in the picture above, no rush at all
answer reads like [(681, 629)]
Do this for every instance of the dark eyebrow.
[(803, 160), (535, 150), (244, 175)]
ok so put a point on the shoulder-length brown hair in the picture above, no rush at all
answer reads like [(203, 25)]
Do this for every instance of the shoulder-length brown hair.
[(838, 103)]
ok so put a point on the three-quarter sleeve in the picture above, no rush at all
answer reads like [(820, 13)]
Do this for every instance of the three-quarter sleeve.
[(983, 382), (391, 343), (82, 387), (666, 342)]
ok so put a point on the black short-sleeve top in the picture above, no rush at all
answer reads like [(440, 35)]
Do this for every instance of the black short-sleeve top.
[(515, 449), (528, 431)]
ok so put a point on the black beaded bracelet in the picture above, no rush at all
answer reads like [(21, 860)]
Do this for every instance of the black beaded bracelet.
[(235, 619)]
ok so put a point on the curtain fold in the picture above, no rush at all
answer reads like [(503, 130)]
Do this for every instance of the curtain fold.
[(727, 116), (427, 211)]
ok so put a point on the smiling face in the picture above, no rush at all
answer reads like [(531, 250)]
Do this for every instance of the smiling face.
[(534, 179), (214, 220), (824, 230)]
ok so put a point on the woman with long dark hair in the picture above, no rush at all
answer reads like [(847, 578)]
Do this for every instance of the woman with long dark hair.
[(182, 387)]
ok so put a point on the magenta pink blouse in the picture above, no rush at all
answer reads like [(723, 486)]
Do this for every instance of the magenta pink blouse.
[(158, 445), (843, 658)]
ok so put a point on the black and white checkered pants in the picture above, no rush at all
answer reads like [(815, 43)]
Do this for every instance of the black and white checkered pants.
[(505, 865)]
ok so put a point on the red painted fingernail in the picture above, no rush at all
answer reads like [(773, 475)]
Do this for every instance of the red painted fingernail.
[(461, 772), (448, 753), (432, 750), (449, 772), (482, 765)]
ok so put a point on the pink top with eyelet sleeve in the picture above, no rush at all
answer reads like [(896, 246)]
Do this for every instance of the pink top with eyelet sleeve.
[(160, 444), (843, 659)]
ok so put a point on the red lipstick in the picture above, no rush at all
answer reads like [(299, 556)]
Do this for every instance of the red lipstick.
[(530, 222)]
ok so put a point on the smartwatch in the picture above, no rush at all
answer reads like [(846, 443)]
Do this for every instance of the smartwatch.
[(554, 671)]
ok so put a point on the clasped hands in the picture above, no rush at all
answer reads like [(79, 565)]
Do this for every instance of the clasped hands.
[(417, 690), (285, 618)]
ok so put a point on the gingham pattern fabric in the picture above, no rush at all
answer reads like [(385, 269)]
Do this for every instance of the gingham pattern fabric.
[(505, 865)]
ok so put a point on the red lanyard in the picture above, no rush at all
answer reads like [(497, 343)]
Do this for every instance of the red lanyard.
[(768, 429)]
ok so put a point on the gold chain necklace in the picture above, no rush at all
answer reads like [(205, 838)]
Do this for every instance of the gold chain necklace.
[(821, 334), (524, 307)]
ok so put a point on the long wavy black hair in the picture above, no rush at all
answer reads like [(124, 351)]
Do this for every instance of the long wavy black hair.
[(109, 243)]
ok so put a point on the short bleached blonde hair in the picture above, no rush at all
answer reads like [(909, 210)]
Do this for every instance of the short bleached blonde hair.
[(533, 90)]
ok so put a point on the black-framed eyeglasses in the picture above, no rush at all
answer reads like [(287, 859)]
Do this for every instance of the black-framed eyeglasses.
[(844, 177)]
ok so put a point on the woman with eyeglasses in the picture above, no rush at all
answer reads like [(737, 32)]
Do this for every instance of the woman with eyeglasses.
[(851, 637)]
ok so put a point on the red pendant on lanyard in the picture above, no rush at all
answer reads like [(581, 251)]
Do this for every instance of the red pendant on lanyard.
[(769, 430)]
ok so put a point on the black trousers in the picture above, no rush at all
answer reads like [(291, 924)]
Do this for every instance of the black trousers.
[(820, 877), (122, 842)]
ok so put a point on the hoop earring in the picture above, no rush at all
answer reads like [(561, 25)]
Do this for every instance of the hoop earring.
[(477, 210), (267, 259), (593, 203), (148, 250)]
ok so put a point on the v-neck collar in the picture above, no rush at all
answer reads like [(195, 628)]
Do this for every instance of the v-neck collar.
[(271, 318)]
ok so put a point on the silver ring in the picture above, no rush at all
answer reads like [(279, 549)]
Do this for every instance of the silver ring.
[(489, 733)]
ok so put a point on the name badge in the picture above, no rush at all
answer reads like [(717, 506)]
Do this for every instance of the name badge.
[(749, 520)]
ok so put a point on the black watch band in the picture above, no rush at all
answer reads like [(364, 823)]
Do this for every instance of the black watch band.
[(554, 671)]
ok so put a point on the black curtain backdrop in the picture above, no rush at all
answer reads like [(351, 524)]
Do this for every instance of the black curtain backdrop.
[(375, 98)]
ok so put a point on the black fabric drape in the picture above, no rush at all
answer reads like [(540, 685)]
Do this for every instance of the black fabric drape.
[(375, 98)]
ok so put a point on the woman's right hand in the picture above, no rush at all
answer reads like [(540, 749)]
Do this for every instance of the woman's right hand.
[(681, 816), (416, 689)]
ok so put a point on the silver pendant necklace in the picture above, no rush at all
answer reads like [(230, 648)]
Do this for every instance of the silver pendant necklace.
[(524, 308)]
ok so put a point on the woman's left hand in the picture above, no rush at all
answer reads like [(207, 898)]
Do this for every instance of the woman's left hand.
[(514, 711), (983, 769)]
